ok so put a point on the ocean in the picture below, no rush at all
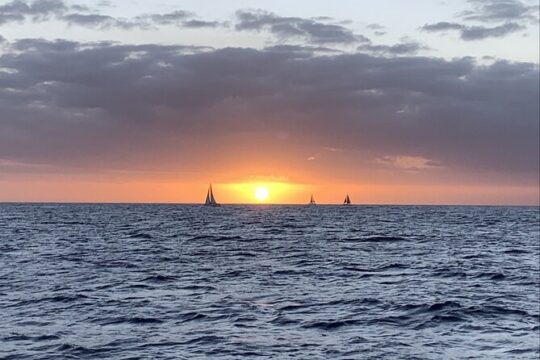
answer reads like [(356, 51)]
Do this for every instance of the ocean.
[(87, 281)]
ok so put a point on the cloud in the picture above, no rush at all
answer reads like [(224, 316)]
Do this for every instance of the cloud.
[(82, 15), (499, 11), (180, 18), (442, 26), (193, 23), (301, 50), (481, 32), (312, 30), (376, 27), (378, 30), (100, 21), (408, 162), (470, 33), (406, 48), (508, 15), (134, 104), (172, 18), (38, 10)]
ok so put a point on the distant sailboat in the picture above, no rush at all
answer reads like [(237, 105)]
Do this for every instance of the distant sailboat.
[(347, 200), (312, 201), (210, 199)]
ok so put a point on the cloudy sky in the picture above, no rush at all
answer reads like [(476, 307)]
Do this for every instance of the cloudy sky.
[(392, 101)]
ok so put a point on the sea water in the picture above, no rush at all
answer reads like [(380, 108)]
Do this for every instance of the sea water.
[(306, 282)]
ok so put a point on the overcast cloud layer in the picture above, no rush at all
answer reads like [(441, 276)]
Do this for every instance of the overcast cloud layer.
[(64, 103), (455, 111)]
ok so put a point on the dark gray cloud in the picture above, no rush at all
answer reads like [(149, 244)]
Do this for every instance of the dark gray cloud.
[(500, 11), (100, 21), (135, 103), (302, 50), (172, 18), (194, 23), (405, 48), (80, 8), (312, 30), (509, 14), (470, 33), (180, 18), (82, 15), (482, 32), (18, 10)]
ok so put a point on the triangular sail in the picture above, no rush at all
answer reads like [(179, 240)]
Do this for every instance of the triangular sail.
[(210, 199), (347, 200), (312, 200)]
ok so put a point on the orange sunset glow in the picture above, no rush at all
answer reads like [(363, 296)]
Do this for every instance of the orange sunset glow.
[(167, 191)]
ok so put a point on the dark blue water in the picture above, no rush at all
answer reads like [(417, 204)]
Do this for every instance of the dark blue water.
[(325, 282)]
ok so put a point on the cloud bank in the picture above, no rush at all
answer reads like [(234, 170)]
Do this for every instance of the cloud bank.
[(64, 102), (81, 15), (493, 18)]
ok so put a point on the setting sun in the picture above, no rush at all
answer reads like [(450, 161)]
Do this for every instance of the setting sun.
[(273, 192), (261, 193)]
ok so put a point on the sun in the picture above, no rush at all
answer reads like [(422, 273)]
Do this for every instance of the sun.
[(261, 193)]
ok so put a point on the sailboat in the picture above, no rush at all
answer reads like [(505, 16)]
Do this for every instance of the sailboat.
[(312, 201), (210, 199), (347, 200)]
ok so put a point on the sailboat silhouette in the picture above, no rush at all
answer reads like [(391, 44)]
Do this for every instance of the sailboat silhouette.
[(210, 199), (312, 201), (347, 200)]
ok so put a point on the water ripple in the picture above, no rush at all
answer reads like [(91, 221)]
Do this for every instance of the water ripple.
[(190, 282)]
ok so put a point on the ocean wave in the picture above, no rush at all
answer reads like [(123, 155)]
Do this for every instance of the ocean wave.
[(175, 281), (329, 324), (490, 275), (516, 251), (136, 320), (376, 239), (382, 268), (160, 278), (140, 235)]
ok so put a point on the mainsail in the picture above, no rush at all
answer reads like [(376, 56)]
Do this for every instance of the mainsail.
[(312, 200), (210, 199), (347, 200)]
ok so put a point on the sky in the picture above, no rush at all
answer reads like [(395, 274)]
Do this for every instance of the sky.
[(392, 102)]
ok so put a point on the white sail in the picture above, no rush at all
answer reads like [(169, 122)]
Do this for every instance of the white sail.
[(210, 199)]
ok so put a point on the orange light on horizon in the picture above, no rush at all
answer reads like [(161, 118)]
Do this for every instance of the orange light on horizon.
[(70, 189), (260, 192)]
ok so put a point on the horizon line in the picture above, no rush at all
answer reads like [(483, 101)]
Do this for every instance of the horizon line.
[(256, 204)]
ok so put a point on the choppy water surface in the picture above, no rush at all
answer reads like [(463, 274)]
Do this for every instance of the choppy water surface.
[(188, 282)]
